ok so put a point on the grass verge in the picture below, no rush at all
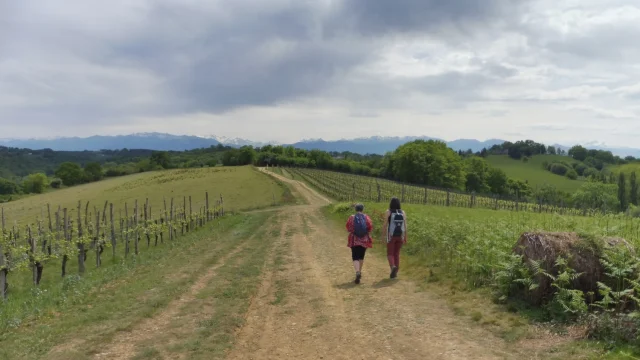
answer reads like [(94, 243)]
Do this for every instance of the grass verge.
[(75, 319)]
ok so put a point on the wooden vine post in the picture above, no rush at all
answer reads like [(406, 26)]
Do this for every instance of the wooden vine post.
[(97, 240), (47, 242), (113, 231), (146, 223), (80, 243), (190, 226), (67, 239), (3, 263), (171, 221), (126, 232), (206, 204), (136, 236)]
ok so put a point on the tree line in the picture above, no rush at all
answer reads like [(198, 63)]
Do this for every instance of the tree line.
[(422, 162)]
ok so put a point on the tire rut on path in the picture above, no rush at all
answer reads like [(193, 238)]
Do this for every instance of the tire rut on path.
[(124, 344), (327, 317)]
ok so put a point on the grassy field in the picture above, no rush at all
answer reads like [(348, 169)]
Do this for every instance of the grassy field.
[(241, 187), (533, 172), (457, 251), (626, 168)]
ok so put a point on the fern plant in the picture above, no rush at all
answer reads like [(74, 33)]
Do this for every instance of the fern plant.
[(567, 303), (514, 276)]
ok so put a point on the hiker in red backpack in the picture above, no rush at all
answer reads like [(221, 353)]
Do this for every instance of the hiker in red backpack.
[(395, 229), (359, 227)]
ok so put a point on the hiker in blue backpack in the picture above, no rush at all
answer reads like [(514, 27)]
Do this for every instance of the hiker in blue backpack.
[(359, 227), (395, 228)]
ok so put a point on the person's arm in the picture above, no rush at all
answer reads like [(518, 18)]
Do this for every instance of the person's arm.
[(385, 227), (405, 225), (350, 224)]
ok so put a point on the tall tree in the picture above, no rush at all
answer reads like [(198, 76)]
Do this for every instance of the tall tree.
[(633, 189), (578, 152), (93, 171), (70, 173), (429, 163), (622, 192), (160, 158)]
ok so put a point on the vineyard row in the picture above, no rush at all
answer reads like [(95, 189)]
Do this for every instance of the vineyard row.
[(349, 187), (62, 237)]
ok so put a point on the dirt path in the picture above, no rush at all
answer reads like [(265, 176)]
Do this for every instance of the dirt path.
[(325, 316), (307, 307)]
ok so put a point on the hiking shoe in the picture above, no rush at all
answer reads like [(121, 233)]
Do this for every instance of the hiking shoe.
[(394, 272), (358, 277)]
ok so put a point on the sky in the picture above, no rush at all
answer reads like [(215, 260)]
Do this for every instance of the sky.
[(557, 71)]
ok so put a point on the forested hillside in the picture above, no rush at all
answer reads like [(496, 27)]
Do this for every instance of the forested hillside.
[(525, 170)]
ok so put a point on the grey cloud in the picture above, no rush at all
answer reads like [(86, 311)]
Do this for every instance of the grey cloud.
[(87, 62), (376, 17), (210, 58)]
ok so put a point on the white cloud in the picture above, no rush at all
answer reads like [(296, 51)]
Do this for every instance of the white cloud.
[(552, 70)]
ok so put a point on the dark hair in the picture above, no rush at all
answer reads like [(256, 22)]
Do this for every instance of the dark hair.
[(359, 207), (395, 204)]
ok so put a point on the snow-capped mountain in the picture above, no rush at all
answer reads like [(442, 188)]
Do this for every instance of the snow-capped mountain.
[(167, 142)]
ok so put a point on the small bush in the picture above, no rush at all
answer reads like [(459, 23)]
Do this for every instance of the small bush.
[(342, 208), (559, 169), (56, 183), (572, 174)]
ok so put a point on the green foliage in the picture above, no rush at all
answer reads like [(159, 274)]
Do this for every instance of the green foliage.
[(35, 184), (559, 169), (590, 172), (429, 163), (56, 183), (596, 195), (519, 188), (578, 152), (633, 189), (70, 174), (8, 187), (498, 181), (161, 159), (478, 173), (93, 171), (513, 277), (534, 172), (526, 148), (622, 192), (567, 303), (548, 194), (572, 174)]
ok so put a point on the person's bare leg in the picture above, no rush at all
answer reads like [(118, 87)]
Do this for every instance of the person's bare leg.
[(356, 265), (361, 264)]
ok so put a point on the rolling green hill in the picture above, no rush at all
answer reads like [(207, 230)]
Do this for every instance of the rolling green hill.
[(533, 172), (626, 168)]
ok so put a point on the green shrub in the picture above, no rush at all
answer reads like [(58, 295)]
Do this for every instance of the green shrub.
[(572, 174)]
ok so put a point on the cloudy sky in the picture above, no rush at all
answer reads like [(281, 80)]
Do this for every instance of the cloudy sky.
[(563, 71)]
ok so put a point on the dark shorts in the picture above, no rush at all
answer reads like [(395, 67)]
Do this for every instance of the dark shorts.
[(357, 253)]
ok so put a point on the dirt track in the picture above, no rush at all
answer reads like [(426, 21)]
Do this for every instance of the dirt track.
[(325, 316), (307, 306)]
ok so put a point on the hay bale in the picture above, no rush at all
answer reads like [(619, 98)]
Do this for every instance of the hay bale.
[(583, 254)]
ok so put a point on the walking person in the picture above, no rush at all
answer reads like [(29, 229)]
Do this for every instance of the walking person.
[(395, 229), (359, 227)]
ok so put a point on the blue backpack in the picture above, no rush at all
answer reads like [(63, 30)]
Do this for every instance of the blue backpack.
[(360, 225)]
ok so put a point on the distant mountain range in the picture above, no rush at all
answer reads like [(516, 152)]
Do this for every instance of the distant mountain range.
[(168, 142), (150, 141), (382, 145)]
